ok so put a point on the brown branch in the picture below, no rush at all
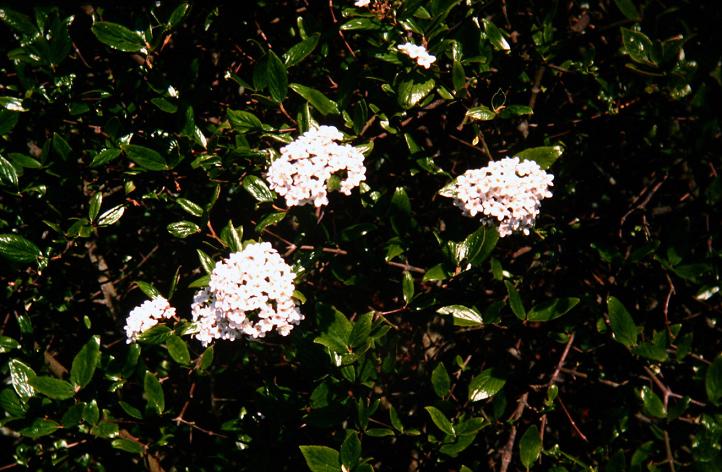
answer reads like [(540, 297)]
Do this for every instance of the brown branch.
[(563, 358), (571, 420), (508, 450), (668, 449)]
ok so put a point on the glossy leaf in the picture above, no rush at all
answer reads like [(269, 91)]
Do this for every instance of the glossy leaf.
[(154, 395), (321, 458), (515, 303), (552, 309), (463, 316), (53, 388), (85, 363), (530, 446), (258, 189), (183, 229), (145, 157), (243, 121), (713, 381), (277, 77), (8, 174), (545, 156), (485, 385), (440, 380), (298, 52), (178, 350), (20, 375), (623, 327), (18, 249), (118, 36), (480, 113), (317, 99), (440, 420), (411, 92)]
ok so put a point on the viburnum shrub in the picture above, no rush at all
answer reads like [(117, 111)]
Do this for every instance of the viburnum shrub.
[(360, 235)]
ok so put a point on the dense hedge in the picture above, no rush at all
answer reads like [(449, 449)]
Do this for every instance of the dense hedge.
[(134, 142)]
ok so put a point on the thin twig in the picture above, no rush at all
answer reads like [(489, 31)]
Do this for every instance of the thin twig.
[(668, 449), (563, 358), (571, 421)]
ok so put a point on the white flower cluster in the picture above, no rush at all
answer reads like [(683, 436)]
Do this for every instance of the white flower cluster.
[(419, 53), (147, 315), (507, 192), (362, 3), (249, 293), (301, 173)]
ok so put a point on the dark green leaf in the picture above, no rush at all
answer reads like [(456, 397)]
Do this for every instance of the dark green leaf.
[(183, 229), (118, 36), (628, 9), (206, 360), (111, 216), (494, 36), (20, 375), (178, 14), (258, 189), (458, 76), (440, 380), (380, 432), (411, 92), (7, 344), (11, 403), (277, 77), (145, 157), (243, 121), (164, 105), (653, 405), (485, 385), (360, 24), (361, 330), (95, 203), (321, 458), (233, 236), (85, 362), (8, 120), (178, 350), (480, 113), (18, 249), (300, 51), (517, 306), (206, 261), (545, 156), (12, 104), (318, 100), (127, 445), (190, 207), (269, 220), (480, 244), (713, 381), (8, 174), (350, 450), (18, 22), (155, 335), (407, 287), (40, 427), (105, 156), (551, 309), (132, 411), (148, 289), (53, 388), (335, 328), (153, 393), (530, 446), (623, 327), (515, 110), (463, 316), (639, 47), (440, 420)]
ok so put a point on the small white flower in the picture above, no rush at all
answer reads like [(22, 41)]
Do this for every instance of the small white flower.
[(147, 315), (419, 53), (249, 293), (362, 3), (301, 173), (507, 192)]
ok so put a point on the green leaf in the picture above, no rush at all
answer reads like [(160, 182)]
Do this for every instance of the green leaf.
[(19, 22), (628, 9), (8, 120), (458, 76), (105, 156), (8, 174), (164, 105), (132, 411), (437, 272), (18, 249), (318, 100), (95, 202), (206, 261), (300, 51), (551, 309), (111, 216), (85, 362), (407, 287), (494, 36), (350, 449), (183, 229), (243, 121), (485, 385), (440, 380), (713, 381), (530, 446), (7, 344), (335, 328), (517, 306), (277, 77), (480, 113), (206, 360), (361, 330), (40, 427), (127, 445), (515, 110), (321, 458), (652, 404), (12, 104), (20, 375), (153, 393), (463, 316), (545, 156), (148, 289), (258, 189), (155, 335), (190, 207), (480, 244), (379, 432), (145, 157), (358, 24), (639, 47), (269, 220), (178, 350), (410, 92), (440, 420), (233, 236), (178, 14), (10, 402), (118, 36), (53, 388), (623, 327)]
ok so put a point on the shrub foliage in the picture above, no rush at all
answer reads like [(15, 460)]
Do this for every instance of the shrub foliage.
[(134, 142)]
